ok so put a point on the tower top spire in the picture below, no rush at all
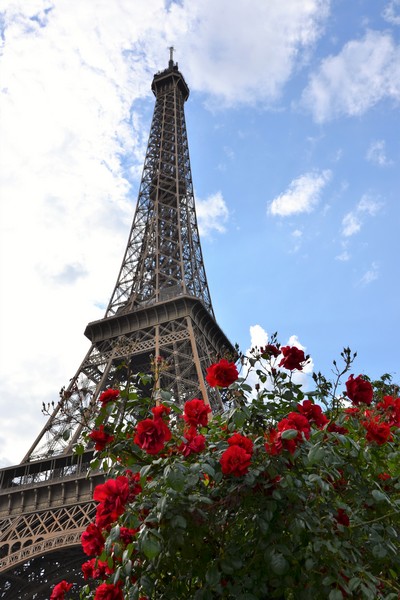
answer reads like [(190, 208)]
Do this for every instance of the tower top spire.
[(170, 75), (171, 57)]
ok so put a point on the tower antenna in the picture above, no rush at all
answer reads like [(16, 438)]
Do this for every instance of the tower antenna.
[(171, 57)]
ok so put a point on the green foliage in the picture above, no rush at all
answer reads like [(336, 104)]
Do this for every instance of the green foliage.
[(322, 521)]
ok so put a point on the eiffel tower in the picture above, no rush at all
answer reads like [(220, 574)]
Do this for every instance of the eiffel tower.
[(160, 307)]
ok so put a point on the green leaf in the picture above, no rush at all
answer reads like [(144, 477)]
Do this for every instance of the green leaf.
[(208, 469), (79, 449), (354, 583), (309, 564), (204, 499), (279, 564), (289, 434), (316, 454), (379, 551), (116, 575), (379, 496), (147, 584), (335, 595), (127, 567), (239, 418), (114, 533), (66, 435), (213, 575), (144, 470), (179, 521), (176, 479), (227, 567), (150, 547)]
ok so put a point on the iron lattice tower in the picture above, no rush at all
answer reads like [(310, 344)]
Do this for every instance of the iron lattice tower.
[(160, 307)]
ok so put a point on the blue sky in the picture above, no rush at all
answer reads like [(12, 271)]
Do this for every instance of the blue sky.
[(293, 124)]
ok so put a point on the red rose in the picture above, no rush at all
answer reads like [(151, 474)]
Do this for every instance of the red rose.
[(352, 412), (88, 568), (160, 410), (235, 461), (295, 421), (342, 518), (196, 444), (59, 590), (92, 540), (222, 374), (358, 390), (274, 443), (335, 428), (391, 408), (377, 432), (240, 440), (195, 412), (108, 396), (108, 591), (293, 358), (151, 435), (313, 412), (101, 438), (126, 535), (96, 569), (112, 495), (270, 350), (134, 485)]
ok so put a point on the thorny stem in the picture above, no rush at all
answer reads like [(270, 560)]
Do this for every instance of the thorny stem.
[(348, 360)]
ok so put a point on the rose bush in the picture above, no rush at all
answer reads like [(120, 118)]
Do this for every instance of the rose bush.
[(290, 494)]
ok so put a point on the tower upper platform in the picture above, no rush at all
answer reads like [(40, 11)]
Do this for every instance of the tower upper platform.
[(169, 76)]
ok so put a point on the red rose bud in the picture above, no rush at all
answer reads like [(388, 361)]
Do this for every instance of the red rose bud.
[(342, 518), (270, 350), (359, 390)]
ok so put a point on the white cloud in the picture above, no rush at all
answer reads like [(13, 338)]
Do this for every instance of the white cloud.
[(258, 336), (353, 220), (351, 224), (301, 196), (212, 214), (369, 205), (391, 12), (365, 72), (376, 154), (371, 275), (242, 51), (343, 256)]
